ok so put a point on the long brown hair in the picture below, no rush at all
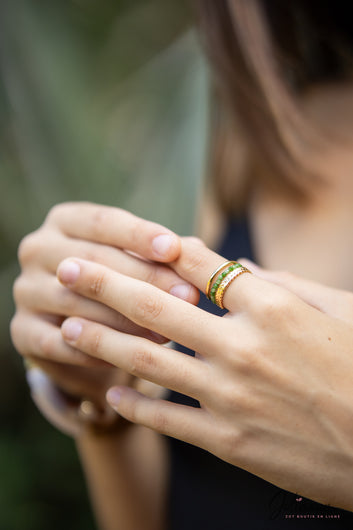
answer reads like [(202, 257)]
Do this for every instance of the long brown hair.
[(264, 55)]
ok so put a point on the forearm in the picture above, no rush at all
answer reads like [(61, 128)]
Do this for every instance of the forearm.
[(126, 475)]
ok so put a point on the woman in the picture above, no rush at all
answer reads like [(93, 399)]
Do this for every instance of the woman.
[(274, 377)]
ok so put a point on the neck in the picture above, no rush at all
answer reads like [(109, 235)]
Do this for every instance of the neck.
[(331, 110)]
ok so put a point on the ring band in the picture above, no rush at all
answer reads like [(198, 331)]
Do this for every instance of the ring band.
[(220, 278), (226, 283), (217, 285), (214, 274)]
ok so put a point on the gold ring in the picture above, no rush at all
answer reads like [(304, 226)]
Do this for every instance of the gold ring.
[(226, 283), (219, 269)]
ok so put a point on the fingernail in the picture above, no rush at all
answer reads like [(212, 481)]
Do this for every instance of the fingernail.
[(68, 272), (162, 244), (42, 388), (181, 291), (113, 396), (71, 329), (36, 378)]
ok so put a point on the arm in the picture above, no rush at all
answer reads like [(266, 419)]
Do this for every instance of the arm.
[(127, 478), (126, 466)]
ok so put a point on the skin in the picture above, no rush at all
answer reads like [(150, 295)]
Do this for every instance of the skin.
[(257, 391), (256, 412), (271, 383), (130, 463), (102, 234)]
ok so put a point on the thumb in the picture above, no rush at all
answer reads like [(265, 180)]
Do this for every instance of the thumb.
[(334, 302)]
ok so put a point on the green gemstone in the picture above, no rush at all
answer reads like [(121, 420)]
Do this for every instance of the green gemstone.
[(220, 278)]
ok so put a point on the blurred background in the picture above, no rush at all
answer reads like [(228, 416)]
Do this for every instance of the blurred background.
[(100, 100)]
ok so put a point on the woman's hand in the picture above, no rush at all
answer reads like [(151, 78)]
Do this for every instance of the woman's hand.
[(104, 235), (274, 377)]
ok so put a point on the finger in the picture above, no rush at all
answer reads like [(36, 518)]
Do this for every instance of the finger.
[(139, 357), (197, 263), (193, 239), (116, 227), (334, 302), (33, 335), (188, 424), (50, 251), (82, 380), (51, 402), (55, 299), (144, 304)]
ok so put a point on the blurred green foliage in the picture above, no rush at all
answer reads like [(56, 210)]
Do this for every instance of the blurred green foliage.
[(102, 101)]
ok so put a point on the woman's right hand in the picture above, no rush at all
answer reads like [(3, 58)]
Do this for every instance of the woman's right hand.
[(109, 236)]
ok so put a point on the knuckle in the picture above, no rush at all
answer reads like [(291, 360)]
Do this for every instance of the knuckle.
[(160, 276), (47, 345), (160, 422), (226, 396), (101, 218), (28, 248), (234, 441), (101, 254), (245, 402), (91, 254), (147, 309), (18, 289), (142, 363), (98, 284), (232, 397), (278, 306), (96, 343), (152, 274), (193, 262), (233, 349), (86, 252), (15, 330), (249, 363), (56, 212)]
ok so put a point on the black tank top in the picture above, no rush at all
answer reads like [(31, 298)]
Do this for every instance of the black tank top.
[(208, 494)]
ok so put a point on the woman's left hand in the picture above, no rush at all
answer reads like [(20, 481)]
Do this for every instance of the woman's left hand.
[(274, 377)]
